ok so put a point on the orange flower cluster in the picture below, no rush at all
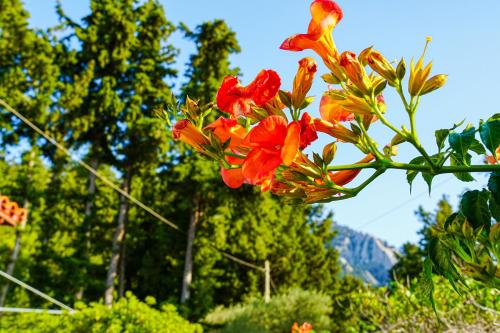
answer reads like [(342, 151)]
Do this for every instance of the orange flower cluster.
[(305, 328), (257, 144), (10, 212)]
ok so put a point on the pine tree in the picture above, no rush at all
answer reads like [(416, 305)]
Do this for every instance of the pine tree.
[(125, 55), (215, 42)]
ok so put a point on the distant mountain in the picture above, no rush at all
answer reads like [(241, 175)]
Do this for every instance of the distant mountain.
[(364, 256)]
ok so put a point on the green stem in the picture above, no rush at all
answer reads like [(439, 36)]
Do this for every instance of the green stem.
[(367, 182), (424, 168), (370, 141)]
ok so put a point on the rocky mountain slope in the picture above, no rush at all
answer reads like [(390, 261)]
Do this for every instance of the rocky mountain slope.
[(364, 256)]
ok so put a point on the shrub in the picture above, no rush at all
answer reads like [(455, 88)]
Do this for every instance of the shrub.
[(128, 315), (277, 316)]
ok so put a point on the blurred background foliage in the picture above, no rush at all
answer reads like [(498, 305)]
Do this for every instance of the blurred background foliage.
[(95, 84)]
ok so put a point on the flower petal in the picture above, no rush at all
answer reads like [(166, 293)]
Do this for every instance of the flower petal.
[(264, 87), (260, 164), (269, 133), (292, 142), (326, 14), (308, 132), (233, 178), (331, 110)]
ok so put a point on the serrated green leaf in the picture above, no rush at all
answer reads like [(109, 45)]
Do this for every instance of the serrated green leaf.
[(463, 176), (411, 174), (410, 177), (474, 205), (427, 284), (428, 179), (477, 147), (441, 136), (461, 142), (490, 134), (494, 185)]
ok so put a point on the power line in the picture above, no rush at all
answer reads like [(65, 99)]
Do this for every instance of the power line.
[(109, 183), (28, 310), (404, 203), (35, 291)]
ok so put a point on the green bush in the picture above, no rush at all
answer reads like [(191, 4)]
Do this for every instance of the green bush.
[(128, 315), (408, 309), (277, 316)]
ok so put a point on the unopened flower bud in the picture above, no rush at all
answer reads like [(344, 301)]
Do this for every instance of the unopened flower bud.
[(435, 82), (329, 152), (380, 65), (186, 132), (419, 74), (303, 81), (355, 71)]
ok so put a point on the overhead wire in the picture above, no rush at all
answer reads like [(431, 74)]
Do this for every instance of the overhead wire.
[(111, 184), (36, 291), (401, 205)]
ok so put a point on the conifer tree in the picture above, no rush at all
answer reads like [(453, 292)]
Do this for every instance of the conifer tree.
[(215, 42), (125, 55)]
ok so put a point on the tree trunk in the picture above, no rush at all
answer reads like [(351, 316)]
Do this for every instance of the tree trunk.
[(118, 239), (121, 285), (89, 205), (11, 267), (187, 277)]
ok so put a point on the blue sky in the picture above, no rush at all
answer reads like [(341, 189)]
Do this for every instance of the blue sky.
[(466, 44)]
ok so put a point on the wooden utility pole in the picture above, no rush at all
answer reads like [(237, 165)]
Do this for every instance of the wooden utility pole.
[(267, 282)]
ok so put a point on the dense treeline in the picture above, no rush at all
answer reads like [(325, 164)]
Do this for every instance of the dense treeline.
[(96, 85)]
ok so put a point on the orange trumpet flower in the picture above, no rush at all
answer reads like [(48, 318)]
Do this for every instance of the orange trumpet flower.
[(273, 142), (305, 328), (228, 129), (325, 16), (303, 80), (237, 100), (336, 130), (186, 132), (233, 178), (308, 132), (332, 110), (344, 177)]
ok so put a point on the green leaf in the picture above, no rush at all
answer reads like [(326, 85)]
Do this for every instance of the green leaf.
[(494, 209), (427, 284), (461, 142), (318, 160), (463, 176), (307, 101), (441, 136), (428, 179), (411, 174), (474, 205), (490, 133), (495, 233), (494, 185), (477, 147), (285, 98)]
